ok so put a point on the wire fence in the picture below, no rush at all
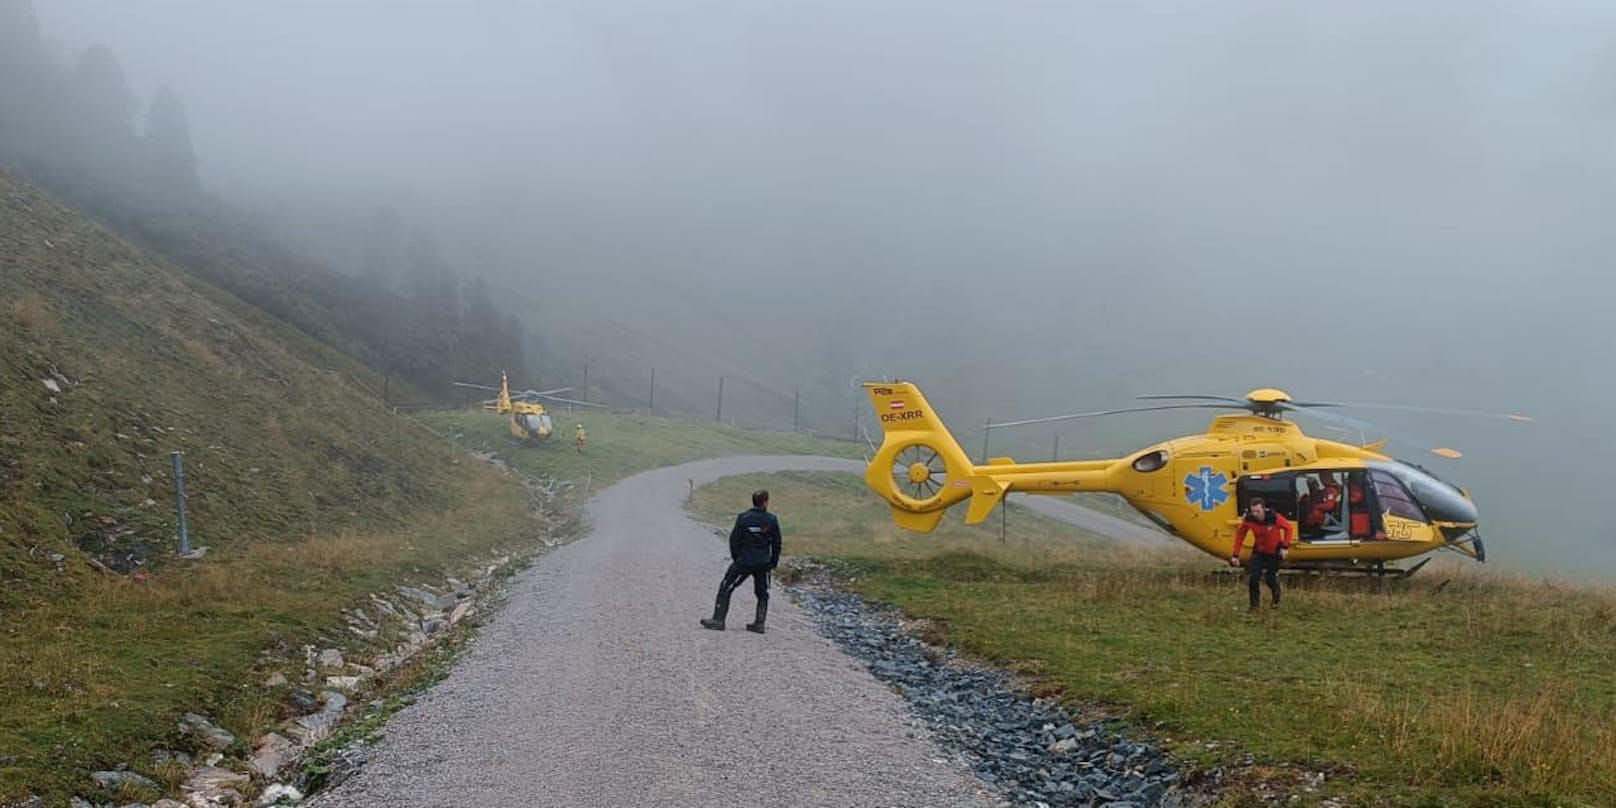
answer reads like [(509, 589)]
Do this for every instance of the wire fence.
[(736, 401)]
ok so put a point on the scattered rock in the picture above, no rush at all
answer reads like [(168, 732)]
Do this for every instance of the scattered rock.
[(311, 728), (272, 753), (51, 385), (112, 781), (165, 803), (211, 786), (420, 596), (459, 613), (276, 679), (166, 757), (346, 683), (205, 732), (302, 700), (195, 555), (276, 793), (330, 658)]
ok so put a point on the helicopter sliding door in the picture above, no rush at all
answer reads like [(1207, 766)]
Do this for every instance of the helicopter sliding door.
[(1326, 506)]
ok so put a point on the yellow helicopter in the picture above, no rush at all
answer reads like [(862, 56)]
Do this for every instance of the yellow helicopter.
[(529, 423), (1351, 505)]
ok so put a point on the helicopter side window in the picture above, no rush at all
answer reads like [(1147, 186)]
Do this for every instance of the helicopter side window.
[(1394, 498)]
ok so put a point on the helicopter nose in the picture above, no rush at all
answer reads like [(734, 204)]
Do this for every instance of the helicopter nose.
[(1448, 506), (1442, 502)]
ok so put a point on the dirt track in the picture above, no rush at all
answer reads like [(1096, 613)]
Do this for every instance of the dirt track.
[(596, 687)]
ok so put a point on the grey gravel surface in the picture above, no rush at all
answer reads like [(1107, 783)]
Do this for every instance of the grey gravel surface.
[(1030, 751), (595, 686)]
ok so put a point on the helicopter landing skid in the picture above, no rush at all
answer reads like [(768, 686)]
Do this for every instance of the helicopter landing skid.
[(1337, 570)]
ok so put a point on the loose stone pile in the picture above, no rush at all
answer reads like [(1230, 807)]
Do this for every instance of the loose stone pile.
[(1028, 750)]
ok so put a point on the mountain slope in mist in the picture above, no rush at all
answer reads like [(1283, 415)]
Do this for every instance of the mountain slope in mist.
[(111, 359)]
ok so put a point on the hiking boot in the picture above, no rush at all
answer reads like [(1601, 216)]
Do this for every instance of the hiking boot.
[(756, 626), (712, 623)]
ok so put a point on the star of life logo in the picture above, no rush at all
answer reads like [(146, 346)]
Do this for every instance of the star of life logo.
[(1205, 488)]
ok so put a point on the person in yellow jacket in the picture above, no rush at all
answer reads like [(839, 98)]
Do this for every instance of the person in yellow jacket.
[(578, 438)]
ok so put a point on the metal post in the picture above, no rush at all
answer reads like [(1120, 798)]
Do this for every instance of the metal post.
[(796, 408), (586, 380), (719, 416), (1055, 458), (179, 500), (650, 404), (986, 430), (1004, 519)]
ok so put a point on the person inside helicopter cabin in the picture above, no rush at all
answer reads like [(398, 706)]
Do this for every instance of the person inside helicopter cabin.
[(1325, 499), (1271, 536), (1361, 521)]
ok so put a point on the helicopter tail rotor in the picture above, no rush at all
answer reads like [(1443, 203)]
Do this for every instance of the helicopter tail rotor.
[(920, 470)]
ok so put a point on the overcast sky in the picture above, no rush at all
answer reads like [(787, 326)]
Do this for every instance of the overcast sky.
[(1033, 207)]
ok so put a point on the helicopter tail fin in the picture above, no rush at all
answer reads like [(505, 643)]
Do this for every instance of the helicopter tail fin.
[(920, 470), (503, 403)]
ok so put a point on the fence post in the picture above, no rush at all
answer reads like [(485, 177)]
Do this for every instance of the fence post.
[(650, 404), (179, 501), (987, 429), (719, 416), (796, 408)]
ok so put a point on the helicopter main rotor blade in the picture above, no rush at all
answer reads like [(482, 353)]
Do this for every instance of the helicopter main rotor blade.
[(1193, 398), (1507, 416), (543, 392), (1365, 426), (571, 401), (1118, 412)]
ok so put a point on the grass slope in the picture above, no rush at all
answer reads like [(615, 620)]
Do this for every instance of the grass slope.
[(1454, 689), (306, 491)]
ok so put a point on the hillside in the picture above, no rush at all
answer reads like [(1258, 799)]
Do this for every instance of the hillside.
[(307, 493), (110, 360)]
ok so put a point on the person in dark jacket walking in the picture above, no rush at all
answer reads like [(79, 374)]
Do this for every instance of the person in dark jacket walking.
[(754, 550), (1271, 536)]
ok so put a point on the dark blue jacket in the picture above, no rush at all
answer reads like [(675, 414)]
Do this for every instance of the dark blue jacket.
[(755, 539)]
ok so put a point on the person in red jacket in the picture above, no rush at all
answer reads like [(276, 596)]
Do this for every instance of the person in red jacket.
[(1324, 502), (1271, 536)]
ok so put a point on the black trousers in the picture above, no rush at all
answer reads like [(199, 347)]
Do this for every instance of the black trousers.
[(1262, 567), (733, 577)]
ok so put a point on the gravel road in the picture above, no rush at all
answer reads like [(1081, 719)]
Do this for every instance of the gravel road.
[(595, 686)]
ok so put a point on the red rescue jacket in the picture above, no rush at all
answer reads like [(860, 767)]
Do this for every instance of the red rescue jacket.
[(1268, 536), (1324, 504)]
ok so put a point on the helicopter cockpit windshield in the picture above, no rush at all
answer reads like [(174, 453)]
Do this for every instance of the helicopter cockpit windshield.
[(1437, 499)]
